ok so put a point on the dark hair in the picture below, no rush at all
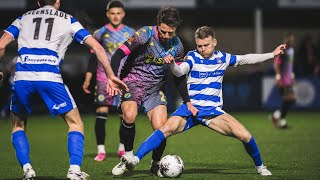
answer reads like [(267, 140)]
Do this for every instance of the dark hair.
[(204, 32), (169, 16), (46, 2), (114, 4)]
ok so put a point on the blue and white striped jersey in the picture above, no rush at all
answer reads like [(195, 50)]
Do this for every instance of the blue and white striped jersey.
[(43, 37), (205, 77)]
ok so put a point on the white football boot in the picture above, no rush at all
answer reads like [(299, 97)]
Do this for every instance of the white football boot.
[(73, 175), (29, 174), (263, 171), (127, 163)]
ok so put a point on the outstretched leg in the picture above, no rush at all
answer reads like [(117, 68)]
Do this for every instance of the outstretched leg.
[(229, 126)]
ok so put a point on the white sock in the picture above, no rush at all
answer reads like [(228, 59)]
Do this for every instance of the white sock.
[(260, 166), (75, 168), (137, 160), (121, 147), (129, 153), (101, 149), (26, 167), (277, 114)]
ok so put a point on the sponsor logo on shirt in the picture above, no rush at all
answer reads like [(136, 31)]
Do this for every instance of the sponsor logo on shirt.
[(38, 60)]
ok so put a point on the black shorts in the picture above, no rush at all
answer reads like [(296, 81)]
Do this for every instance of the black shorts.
[(287, 93)]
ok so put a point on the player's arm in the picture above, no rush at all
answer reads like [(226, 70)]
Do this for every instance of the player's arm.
[(91, 69), (103, 59), (101, 54), (181, 84), (116, 59), (4, 41), (179, 70), (139, 38), (277, 70), (256, 58)]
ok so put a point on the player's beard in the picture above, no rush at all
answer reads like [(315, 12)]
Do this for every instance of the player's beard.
[(164, 41)]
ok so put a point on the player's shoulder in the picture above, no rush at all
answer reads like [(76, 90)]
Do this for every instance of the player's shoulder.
[(176, 40), (219, 53), (192, 55), (101, 30), (129, 29), (150, 30), (192, 52)]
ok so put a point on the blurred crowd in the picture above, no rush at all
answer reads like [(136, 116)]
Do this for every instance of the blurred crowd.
[(307, 60)]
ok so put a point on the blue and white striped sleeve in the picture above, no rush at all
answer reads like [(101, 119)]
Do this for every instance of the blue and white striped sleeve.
[(14, 28), (231, 59), (79, 33), (190, 59)]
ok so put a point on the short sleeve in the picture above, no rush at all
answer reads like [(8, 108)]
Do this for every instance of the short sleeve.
[(79, 33), (232, 59), (14, 28)]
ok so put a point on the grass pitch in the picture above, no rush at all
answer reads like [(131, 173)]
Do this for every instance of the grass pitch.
[(293, 153)]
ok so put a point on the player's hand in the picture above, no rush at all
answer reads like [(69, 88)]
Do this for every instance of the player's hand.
[(168, 59), (279, 50), (1, 76), (115, 85), (85, 87), (194, 111)]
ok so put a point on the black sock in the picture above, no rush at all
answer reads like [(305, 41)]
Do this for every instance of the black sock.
[(284, 110), (100, 128), (157, 153), (127, 134)]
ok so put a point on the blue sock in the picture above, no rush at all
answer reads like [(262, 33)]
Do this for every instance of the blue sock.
[(253, 151), (75, 147), (21, 145), (150, 144)]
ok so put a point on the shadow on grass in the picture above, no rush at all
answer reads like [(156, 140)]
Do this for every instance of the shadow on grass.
[(39, 178), (145, 174), (211, 171)]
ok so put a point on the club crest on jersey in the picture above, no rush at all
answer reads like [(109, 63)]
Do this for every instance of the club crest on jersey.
[(130, 40), (126, 34), (101, 98), (219, 61), (127, 95)]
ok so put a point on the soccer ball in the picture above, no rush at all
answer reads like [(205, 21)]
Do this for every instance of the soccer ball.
[(171, 166)]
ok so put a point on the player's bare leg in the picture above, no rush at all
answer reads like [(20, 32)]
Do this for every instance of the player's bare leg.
[(157, 117), (21, 144), (229, 126), (75, 144)]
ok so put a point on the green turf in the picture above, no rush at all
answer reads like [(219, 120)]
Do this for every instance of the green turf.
[(289, 154)]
